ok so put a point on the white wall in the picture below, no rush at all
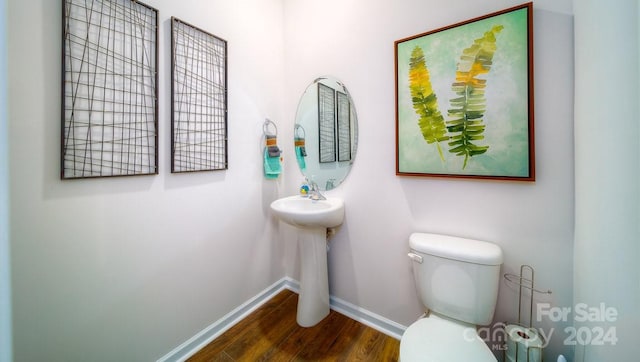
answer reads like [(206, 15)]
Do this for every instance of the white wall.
[(607, 134), (126, 269), (5, 279), (532, 222)]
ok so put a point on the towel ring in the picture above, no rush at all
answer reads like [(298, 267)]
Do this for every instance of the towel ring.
[(265, 127), (297, 128)]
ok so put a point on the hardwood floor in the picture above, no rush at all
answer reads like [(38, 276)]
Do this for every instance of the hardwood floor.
[(272, 334)]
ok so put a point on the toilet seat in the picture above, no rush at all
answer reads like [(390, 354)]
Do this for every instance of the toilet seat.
[(437, 339)]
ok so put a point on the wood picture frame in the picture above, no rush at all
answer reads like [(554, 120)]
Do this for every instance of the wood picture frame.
[(464, 99)]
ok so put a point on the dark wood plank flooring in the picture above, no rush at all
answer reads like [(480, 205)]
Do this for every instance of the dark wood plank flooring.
[(271, 334)]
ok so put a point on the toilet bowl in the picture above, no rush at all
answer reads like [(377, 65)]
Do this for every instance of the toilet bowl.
[(435, 338), (457, 280)]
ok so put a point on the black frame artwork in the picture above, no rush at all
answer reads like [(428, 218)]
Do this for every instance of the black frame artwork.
[(198, 99), (109, 89), (326, 123), (343, 117)]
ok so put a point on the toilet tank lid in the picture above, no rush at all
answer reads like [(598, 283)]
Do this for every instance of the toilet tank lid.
[(456, 248)]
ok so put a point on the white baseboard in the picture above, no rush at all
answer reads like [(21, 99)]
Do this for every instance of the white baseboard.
[(368, 318), (204, 337)]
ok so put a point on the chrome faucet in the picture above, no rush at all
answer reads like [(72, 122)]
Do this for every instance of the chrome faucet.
[(314, 191)]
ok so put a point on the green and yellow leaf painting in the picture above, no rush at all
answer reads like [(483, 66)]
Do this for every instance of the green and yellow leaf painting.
[(425, 101), (476, 73), (467, 109)]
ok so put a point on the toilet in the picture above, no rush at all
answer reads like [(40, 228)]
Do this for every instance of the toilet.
[(457, 281)]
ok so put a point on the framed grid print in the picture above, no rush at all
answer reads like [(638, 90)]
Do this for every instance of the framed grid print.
[(109, 89), (344, 126), (198, 99), (326, 122)]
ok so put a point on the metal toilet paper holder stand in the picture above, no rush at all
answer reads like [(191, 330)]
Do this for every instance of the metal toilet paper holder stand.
[(525, 281)]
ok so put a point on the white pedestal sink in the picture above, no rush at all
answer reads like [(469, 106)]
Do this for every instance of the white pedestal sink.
[(312, 218)]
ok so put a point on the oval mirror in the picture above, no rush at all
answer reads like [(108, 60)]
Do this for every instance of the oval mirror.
[(326, 133)]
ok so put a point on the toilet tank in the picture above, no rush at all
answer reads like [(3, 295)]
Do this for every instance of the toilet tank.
[(456, 277)]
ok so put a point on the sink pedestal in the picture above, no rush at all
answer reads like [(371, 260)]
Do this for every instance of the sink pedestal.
[(313, 301), (312, 218)]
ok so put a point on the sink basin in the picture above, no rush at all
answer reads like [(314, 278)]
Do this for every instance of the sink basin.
[(306, 213)]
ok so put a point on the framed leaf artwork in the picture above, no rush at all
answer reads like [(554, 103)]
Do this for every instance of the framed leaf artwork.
[(464, 99)]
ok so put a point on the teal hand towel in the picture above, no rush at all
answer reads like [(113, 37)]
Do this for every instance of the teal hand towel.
[(300, 155), (301, 152), (272, 167)]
